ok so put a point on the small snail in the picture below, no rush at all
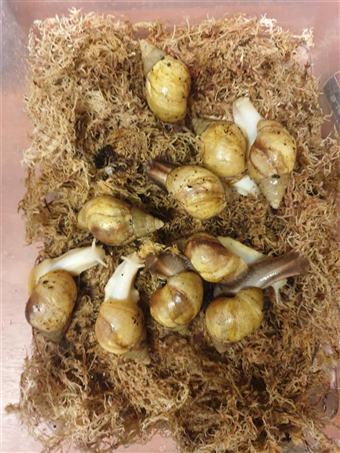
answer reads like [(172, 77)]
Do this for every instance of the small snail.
[(178, 302), (199, 191), (272, 151), (53, 291), (120, 324), (212, 261), (167, 83), (230, 319), (114, 222), (224, 147)]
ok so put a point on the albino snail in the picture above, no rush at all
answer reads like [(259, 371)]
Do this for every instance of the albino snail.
[(230, 319), (53, 291), (167, 83), (212, 260), (200, 192), (272, 151), (114, 222), (179, 301), (120, 324), (224, 147)]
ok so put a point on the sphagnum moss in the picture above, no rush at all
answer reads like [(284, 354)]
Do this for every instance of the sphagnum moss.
[(86, 92)]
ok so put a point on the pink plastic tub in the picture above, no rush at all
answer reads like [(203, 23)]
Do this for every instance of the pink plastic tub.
[(16, 258)]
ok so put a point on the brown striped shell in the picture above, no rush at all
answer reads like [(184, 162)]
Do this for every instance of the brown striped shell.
[(120, 326), (212, 260), (179, 301), (230, 319), (271, 160), (114, 222), (200, 192)]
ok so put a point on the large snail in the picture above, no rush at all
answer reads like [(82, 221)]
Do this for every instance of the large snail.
[(230, 319), (272, 151), (199, 191), (212, 260), (250, 256), (266, 272), (53, 291), (223, 147), (167, 83), (114, 222), (178, 302), (120, 324)]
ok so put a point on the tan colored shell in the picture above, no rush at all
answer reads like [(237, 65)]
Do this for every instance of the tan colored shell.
[(114, 222), (119, 326), (212, 261), (167, 89), (179, 301), (199, 191), (224, 149), (51, 303), (271, 160), (230, 319)]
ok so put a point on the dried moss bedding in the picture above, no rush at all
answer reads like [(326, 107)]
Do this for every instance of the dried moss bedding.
[(93, 133)]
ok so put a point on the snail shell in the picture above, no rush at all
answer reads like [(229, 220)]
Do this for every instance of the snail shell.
[(167, 84), (120, 326), (224, 149), (271, 160), (51, 303), (212, 260), (114, 222), (200, 192), (230, 319), (179, 301)]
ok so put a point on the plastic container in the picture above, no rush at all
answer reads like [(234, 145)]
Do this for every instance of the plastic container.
[(16, 258)]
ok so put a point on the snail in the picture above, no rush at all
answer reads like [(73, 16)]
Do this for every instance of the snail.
[(230, 319), (167, 83), (53, 291), (198, 190), (212, 260), (265, 272), (224, 147), (272, 151), (178, 302), (114, 222), (120, 324), (250, 256)]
